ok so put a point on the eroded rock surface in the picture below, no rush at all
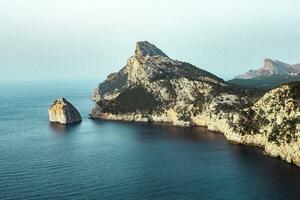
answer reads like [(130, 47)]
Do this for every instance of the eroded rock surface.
[(63, 112)]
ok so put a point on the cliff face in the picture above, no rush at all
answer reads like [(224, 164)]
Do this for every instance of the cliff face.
[(153, 87), (279, 114), (272, 122)]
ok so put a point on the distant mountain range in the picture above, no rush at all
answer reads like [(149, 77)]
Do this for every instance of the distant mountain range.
[(273, 73), (272, 67)]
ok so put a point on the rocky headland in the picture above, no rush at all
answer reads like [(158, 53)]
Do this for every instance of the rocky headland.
[(63, 112), (155, 88)]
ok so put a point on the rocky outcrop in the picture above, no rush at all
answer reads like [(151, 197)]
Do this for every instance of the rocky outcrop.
[(155, 88), (63, 112)]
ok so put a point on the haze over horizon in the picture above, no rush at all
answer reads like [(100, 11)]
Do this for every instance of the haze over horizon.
[(88, 39)]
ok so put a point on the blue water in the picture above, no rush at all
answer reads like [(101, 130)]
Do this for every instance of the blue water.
[(114, 160)]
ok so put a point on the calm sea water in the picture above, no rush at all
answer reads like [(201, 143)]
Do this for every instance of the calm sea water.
[(114, 160)]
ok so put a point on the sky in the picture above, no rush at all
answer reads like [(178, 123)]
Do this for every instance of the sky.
[(88, 39)]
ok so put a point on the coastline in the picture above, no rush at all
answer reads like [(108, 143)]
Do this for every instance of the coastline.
[(287, 153)]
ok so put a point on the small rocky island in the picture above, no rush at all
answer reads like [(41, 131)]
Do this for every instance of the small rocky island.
[(152, 87), (63, 112)]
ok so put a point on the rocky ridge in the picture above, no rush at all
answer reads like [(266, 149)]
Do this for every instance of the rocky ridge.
[(155, 88), (63, 112)]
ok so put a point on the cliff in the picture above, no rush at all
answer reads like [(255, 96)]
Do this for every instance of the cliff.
[(155, 88)]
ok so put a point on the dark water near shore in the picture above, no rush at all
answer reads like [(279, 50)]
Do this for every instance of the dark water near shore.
[(114, 160)]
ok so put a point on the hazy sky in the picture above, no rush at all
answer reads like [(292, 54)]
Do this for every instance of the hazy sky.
[(88, 39)]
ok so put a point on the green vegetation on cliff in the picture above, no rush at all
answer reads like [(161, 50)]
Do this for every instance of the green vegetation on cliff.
[(133, 99)]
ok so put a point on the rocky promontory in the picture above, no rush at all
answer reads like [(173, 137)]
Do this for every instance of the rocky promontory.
[(152, 87), (63, 112)]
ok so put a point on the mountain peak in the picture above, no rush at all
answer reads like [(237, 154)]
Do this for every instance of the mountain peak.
[(145, 48), (270, 64), (269, 60)]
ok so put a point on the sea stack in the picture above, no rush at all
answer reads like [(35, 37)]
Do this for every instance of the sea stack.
[(63, 112)]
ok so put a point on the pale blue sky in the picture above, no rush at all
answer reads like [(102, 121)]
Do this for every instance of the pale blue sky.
[(88, 39)]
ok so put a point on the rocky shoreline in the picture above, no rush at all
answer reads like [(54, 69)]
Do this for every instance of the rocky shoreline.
[(220, 126)]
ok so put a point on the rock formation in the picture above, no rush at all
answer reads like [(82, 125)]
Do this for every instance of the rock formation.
[(272, 67), (63, 112), (272, 74), (155, 88)]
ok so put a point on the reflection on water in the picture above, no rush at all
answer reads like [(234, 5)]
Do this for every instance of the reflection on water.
[(62, 128), (165, 130), (191, 133)]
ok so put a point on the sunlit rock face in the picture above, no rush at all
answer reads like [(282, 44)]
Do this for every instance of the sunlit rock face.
[(63, 112), (155, 87), (152, 87)]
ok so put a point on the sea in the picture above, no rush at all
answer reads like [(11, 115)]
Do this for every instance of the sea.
[(112, 160)]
